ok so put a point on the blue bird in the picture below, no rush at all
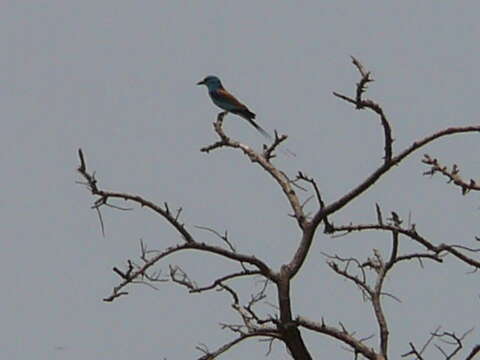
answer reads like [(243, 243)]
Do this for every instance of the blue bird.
[(226, 101)]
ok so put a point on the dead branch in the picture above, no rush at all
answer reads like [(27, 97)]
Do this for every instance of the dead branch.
[(221, 280), (343, 335), (452, 175), (190, 243), (412, 233), (104, 196), (269, 151), (264, 162), (451, 339), (360, 281), (361, 103), (321, 203), (210, 355), (263, 268), (285, 327), (377, 174)]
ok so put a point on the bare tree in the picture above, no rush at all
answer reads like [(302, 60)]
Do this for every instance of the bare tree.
[(367, 275)]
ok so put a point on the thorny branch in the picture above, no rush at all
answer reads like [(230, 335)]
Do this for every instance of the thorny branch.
[(448, 338), (221, 280), (252, 325), (321, 203), (361, 103), (104, 196), (452, 175), (451, 339), (134, 273), (210, 355), (436, 250), (345, 271), (389, 159), (340, 334), (269, 151), (264, 161), (372, 293), (285, 327), (381, 269)]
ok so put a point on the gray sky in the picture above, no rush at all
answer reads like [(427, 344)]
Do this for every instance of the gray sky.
[(117, 78)]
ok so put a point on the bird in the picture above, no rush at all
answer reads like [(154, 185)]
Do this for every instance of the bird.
[(226, 101)]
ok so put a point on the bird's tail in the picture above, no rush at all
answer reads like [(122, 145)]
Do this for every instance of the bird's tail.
[(249, 116), (260, 129), (267, 135)]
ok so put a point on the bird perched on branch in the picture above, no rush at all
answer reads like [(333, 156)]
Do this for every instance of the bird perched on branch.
[(226, 101)]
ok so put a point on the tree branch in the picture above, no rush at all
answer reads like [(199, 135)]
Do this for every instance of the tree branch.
[(452, 175), (264, 162), (412, 234), (373, 177), (190, 244), (360, 103), (104, 196), (338, 334), (252, 260), (220, 281), (210, 355)]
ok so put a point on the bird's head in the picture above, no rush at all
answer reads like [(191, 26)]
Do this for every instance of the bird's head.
[(211, 82)]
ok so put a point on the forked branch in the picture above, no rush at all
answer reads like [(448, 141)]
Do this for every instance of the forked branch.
[(264, 161), (137, 273), (389, 159), (453, 175), (361, 103)]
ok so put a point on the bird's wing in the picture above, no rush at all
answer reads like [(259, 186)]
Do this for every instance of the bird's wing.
[(227, 99)]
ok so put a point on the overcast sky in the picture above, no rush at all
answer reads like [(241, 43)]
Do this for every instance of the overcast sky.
[(117, 78)]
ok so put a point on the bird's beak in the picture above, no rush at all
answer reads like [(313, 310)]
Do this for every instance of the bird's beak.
[(201, 82)]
